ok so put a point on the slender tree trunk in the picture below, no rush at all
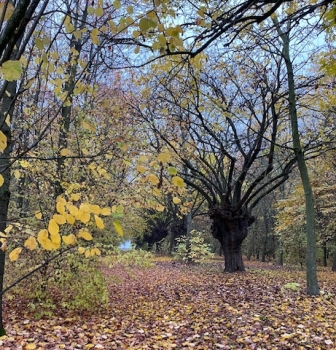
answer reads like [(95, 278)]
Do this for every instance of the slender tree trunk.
[(69, 86), (311, 265), (171, 242), (325, 254), (265, 238), (251, 248), (188, 236), (6, 110), (280, 261), (333, 268)]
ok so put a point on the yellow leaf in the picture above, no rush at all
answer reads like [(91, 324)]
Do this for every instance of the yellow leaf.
[(60, 207), (96, 251), (79, 215), (65, 152), (11, 70), (160, 207), (117, 4), (129, 9), (141, 169), (95, 209), (70, 219), (24, 164), (75, 197), (38, 215), (14, 254), (153, 179), (83, 217), (99, 12), (85, 152), (56, 239), (92, 252), (85, 235), (73, 210), (3, 143), (118, 228), (17, 174), (39, 43), (117, 209), (87, 253), (81, 250), (7, 121), (172, 170), (99, 222), (106, 211), (42, 235), (61, 200), (70, 239), (30, 346), (30, 243), (163, 157), (60, 219), (85, 207), (2, 180), (53, 227), (94, 36), (101, 171), (176, 200), (178, 181), (8, 228)]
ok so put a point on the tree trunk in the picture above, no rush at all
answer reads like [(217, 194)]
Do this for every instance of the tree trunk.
[(325, 254), (280, 261), (311, 265), (188, 218), (265, 238), (6, 110), (231, 233), (333, 268)]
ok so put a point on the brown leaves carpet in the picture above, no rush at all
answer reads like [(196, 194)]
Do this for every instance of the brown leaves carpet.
[(172, 306)]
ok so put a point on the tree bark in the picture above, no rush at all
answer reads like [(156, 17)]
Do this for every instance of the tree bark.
[(6, 110), (325, 254), (311, 265), (231, 233), (333, 268)]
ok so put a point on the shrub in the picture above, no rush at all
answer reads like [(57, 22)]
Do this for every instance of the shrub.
[(293, 286), (131, 258), (73, 282), (199, 250)]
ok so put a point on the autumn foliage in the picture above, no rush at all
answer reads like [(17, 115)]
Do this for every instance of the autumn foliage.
[(175, 306)]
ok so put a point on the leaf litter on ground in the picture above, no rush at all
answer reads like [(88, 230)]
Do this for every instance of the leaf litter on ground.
[(174, 306)]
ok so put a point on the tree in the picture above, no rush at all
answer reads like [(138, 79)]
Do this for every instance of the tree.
[(232, 117), (311, 269), (14, 38), (56, 83), (290, 212), (202, 25)]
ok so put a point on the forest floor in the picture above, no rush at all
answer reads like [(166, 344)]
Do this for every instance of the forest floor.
[(173, 306)]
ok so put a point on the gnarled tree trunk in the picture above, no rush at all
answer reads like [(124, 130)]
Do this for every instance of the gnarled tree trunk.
[(231, 230)]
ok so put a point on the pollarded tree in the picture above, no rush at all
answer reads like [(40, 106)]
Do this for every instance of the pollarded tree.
[(238, 147), (230, 114)]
